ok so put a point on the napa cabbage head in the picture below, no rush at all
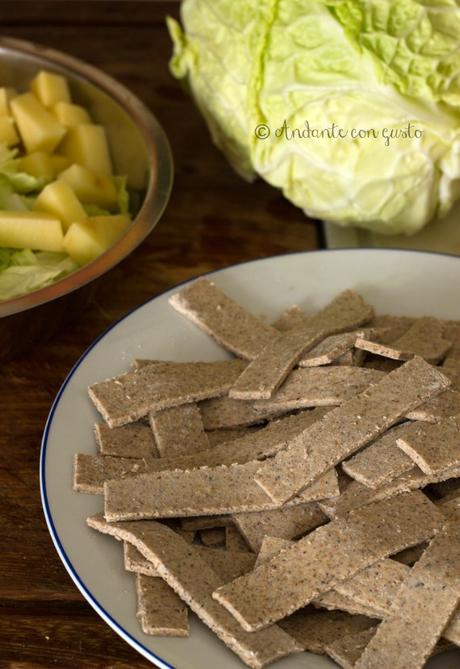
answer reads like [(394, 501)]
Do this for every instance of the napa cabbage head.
[(387, 68)]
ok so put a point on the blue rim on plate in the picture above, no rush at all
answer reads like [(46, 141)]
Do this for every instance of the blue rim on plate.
[(146, 652), (150, 655)]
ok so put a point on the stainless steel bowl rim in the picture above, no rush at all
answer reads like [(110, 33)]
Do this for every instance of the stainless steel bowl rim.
[(158, 188)]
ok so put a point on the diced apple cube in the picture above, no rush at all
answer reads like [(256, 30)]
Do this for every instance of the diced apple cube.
[(60, 163), (39, 130), (30, 230), (50, 88), (38, 164), (58, 198), (8, 133), (6, 94), (86, 144), (69, 114), (86, 241), (90, 187)]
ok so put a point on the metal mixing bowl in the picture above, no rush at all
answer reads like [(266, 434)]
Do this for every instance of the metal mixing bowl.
[(139, 150)]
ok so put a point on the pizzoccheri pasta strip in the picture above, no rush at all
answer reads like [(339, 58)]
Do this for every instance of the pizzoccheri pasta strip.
[(328, 555), (346, 429), (263, 376), (194, 581)]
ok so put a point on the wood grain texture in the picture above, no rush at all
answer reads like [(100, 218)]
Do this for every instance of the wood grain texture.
[(214, 219)]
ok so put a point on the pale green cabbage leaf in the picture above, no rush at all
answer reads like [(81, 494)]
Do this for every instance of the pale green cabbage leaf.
[(21, 182), (95, 210), (362, 64), (122, 193), (25, 271)]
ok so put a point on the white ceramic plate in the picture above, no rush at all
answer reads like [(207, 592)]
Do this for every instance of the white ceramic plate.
[(399, 282)]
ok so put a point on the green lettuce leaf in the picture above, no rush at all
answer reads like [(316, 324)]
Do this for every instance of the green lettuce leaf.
[(123, 195), (21, 182), (10, 200), (370, 65), (94, 210), (24, 183), (27, 271), (24, 257), (5, 258), (28, 201)]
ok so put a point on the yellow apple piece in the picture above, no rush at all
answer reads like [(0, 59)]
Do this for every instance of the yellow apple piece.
[(6, 94), (86, 144), (8, 133), (39, 130), (90, 187), (30, 230), (58, 198), (86, 241), (50, 88), (38, 164), (69, 114), (60, 163)]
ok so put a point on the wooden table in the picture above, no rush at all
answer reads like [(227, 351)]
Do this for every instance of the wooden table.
[(214, 219)]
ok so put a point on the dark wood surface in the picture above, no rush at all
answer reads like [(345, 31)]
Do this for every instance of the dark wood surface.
[(214, 219)]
